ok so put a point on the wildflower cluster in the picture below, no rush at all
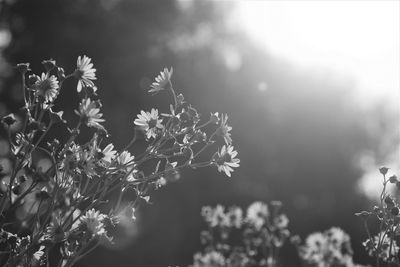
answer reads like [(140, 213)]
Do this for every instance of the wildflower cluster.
[(383, 246), (330, 248), (69, 205), (237, 239)]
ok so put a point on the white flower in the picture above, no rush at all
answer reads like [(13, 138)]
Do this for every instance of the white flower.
[(47, 87), (161, 81), (331, 248), (39, 254), (316, 241), (235, 215), (108, 154), (209, 259), (89, 111), (337, 236), (93, 220), (257, 213), (281, 221), (225, 160), (84, 72), (150, 122), (125, 158), (224, 129)]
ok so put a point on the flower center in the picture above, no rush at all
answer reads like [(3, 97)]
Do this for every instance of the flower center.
[(152, 123)]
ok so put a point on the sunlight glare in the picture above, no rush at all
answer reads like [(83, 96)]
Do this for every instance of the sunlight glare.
[(356, 38)]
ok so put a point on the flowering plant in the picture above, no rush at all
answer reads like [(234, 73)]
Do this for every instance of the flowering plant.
[(254, 240), (58, 212), (243, 241), (383, 246), (329, 248)]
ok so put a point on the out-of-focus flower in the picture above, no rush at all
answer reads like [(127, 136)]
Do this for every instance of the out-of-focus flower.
[(84, 72), (89, 111), (235, 215), (215, 216), (331, 248), (224, 129), (93, 220), (225, 159), (281, 221), (150, 122), (46, 87), (257, 214), (161, 81), (209, 259)]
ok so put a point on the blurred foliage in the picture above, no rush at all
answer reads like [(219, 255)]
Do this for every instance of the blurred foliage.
[(297, 131)]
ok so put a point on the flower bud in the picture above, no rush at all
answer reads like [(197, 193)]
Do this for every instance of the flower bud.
[(393, 179), (9, 119), (180, 99), (23, 67), (16, 189), (388, 200), (61, 74), (214, 118), (56, 117), (32, 79), (380, 215), (394, 211), (49, 64), (383, 170)]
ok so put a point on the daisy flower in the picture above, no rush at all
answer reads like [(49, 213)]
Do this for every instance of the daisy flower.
[(225, 159), (235, 216), (150, 122), (84, 72), (46, 87), (93, 220), (257, 214), (89, 111), (125, 158), (108, 154), (39, 254), (224, 129), (161, 81)]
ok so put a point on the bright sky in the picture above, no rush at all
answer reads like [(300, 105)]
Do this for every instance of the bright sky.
[(355, 38)]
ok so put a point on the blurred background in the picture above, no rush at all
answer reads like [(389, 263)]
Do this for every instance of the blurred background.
[(311, 89)]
